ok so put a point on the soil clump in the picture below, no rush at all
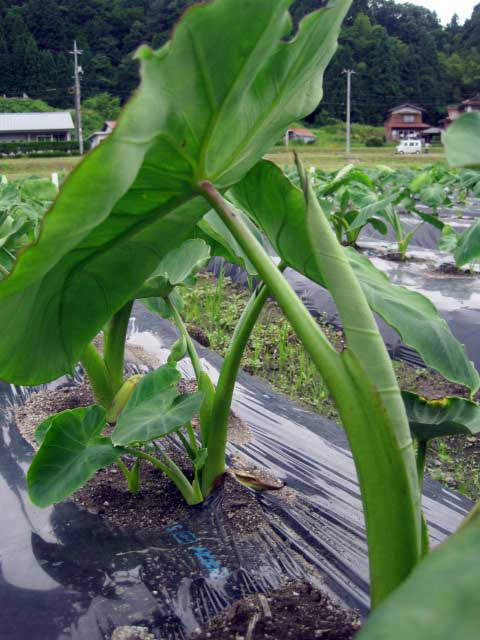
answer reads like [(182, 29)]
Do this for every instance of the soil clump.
[(297, 611)]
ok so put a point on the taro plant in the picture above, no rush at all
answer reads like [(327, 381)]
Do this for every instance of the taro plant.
[(22, 206), (183, 148)]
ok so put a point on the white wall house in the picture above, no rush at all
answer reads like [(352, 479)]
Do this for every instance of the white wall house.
[(32, 127), (95, 138), (303, 135)]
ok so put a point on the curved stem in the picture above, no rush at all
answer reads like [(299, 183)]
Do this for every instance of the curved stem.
[(98, 376), (173, 472), (192, 352), (115, 336), (215, 465)]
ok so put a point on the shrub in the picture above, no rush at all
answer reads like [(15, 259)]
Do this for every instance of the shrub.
[(374, 141)]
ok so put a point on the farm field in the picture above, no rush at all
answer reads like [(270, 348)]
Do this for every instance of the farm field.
[(19, 168), (329, 159)]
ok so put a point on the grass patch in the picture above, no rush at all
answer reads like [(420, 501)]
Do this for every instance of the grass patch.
[(20, 168)]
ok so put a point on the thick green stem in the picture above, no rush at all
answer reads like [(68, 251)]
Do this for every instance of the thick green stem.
[(215, 465), (115, 336), (192, 352), (98, 376), (173, 472), (375, 422)]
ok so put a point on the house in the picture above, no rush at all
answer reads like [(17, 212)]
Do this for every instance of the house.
[(405, 121), (25, 127), (95, 138), (455, 111), (303, 135)]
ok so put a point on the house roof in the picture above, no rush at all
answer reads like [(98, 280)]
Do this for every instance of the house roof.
[(473, 100), (302, 132), (406, 106), (49, 121), (410, 125)]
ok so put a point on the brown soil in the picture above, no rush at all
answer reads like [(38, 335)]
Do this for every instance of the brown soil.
[(451, 270), (297, 611)]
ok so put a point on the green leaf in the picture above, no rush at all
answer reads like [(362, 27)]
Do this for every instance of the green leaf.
[(468, 247), (462, 141), (39, 189), (449, 240), (222, 241), (200, 459), (440, 600), (182, 263), (433, 195), (421, 181), (211, 103), (155, 408), (437, 418), (279, 208), (177, 350), (72, 451)]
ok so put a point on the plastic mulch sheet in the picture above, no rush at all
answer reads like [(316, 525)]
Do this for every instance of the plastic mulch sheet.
[(67, 575)]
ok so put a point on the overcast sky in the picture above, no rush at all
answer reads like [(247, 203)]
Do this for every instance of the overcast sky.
[(446, 8)]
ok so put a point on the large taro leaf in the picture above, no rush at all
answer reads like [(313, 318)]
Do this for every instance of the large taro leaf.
[(155, 408), (437, 418), (211, 103), (72, 450), (440, 600), (279, 209), (462, 141)]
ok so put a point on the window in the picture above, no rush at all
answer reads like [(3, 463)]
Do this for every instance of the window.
[(44, 138), (409, 118)]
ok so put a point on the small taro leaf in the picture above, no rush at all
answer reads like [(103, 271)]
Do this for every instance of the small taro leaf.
[(178, 350), (449, 239), (436, 418), (135, 197), (158, 416), (439, 600), (279, 209), (71, 452), (468, 247), (223, 242), (379, 226), (433, 195), (462, 141), (155, 408), (183, 262), (158, 305), (433, 220), (200, 459), (44, 426), (419, 182)]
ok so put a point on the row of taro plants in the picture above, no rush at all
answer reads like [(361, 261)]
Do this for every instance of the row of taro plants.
[(180, 179)]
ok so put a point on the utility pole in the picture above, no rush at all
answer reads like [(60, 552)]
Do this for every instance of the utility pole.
[(78, 114), (349, 101)]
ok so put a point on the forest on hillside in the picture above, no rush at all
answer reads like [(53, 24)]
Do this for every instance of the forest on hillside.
[(399, 52)]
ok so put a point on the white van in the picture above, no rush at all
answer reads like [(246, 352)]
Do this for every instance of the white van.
[(409, 146)]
